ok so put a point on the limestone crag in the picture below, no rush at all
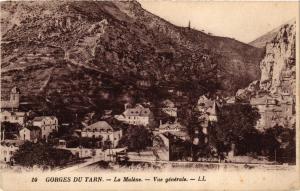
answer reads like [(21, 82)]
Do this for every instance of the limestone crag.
[(274, 94), (278, 66)]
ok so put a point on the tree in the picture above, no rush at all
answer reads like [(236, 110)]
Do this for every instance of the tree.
[(136, 138), (11, 130), (281, 141), (236, 125), (42, 154), (86, 142)]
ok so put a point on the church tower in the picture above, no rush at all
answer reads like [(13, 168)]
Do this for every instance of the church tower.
[(15, 97)]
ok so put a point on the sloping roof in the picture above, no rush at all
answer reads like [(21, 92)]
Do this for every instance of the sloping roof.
[(32, 128), (179, 135), (8, 105), (12, 142), (168, 103), (100, 125), (40, 118), (171, 126), (19, 114), (137, 111)]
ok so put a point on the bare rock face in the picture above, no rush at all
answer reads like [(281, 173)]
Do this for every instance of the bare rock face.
[(278, 67), (274, 94), (279, 63)]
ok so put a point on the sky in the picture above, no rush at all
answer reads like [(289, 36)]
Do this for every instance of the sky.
[(244, 21)]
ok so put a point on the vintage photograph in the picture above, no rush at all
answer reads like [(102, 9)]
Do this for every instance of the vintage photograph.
[(119, 86)]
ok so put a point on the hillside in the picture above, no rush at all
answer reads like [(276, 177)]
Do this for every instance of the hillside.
[(83, 55)]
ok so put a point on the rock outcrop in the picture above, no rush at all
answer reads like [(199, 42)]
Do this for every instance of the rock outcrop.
[(274, 94), (279, 65)]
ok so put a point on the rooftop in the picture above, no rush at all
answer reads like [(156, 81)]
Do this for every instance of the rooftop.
[(40, 118), (99, 126), (139, 110)]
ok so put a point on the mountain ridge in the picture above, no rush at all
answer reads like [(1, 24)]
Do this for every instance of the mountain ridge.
[(91, 52)]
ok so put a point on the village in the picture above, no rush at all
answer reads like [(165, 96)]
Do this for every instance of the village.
[(137, 134)]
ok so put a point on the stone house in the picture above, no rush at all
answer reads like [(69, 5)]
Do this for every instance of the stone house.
[(138, 115), (48, 124), (13, 117), (169, 108), (102, 129), (8, 148), (30, 133)]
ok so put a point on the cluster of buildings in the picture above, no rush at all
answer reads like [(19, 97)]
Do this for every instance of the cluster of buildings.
[(16, 124), (170, 136)]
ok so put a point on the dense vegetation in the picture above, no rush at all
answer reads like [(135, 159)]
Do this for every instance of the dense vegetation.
[(41, 154), (136, 139)]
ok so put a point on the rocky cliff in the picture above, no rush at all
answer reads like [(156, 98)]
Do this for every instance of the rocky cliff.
[(274, 94), (278, 68)]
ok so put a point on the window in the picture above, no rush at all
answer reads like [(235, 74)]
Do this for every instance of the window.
[(10, 153), (16, 118), (5, 117)]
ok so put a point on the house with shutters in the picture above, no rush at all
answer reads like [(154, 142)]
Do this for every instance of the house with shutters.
[(48, 124), (102, 129), (137, 115)]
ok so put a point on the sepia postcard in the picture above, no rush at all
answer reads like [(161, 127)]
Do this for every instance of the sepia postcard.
[(149, 95)]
